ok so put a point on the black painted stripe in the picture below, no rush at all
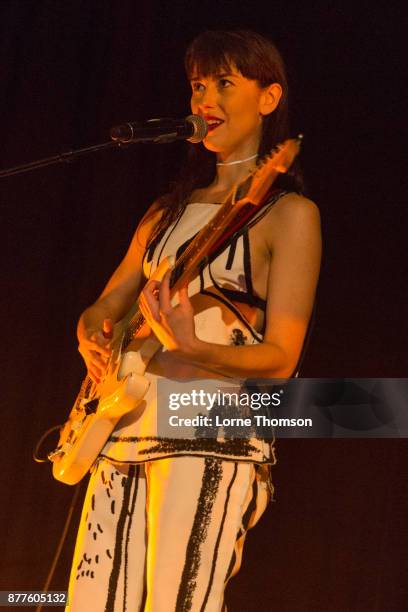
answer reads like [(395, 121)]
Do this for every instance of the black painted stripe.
[(252, 504), (247, 264), (237, 448), (217, 544), (113, 579), (209, 487), (231, 254), (129, 525)]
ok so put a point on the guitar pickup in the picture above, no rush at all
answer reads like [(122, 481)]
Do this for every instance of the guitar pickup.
[(91, 406)]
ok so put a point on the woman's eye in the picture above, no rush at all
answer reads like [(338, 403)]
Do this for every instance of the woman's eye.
[(225, 83), (197, 87)]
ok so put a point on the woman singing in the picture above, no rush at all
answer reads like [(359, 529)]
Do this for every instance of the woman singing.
[(165, 519)]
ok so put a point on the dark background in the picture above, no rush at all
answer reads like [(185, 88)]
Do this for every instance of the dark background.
[(336, 538)]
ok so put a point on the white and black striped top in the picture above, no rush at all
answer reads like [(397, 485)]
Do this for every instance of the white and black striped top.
[(224, 282)]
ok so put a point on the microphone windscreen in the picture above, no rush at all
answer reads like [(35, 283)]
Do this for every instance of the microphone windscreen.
[(200, 128)]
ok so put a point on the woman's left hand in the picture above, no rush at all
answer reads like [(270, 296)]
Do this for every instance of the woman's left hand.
[(173, 325)]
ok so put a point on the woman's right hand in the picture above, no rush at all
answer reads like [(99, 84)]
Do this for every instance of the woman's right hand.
[(94, 346)]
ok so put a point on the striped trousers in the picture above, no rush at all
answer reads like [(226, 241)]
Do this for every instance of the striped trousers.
[(164, 535)]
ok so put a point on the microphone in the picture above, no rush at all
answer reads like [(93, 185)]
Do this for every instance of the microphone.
[(193, 128)]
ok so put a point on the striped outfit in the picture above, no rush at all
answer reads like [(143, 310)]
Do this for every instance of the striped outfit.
[(164, 535), (164, 521)]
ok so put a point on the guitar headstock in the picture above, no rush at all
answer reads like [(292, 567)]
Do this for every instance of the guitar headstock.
[(276, 162)]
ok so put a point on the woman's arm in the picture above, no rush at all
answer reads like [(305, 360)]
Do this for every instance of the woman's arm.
[(295, 246), (95, 324)]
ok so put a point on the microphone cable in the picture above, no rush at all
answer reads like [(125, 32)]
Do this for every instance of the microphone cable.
[(60, 543), (68, 519)]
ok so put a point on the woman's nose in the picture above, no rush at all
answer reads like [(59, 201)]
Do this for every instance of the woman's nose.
[(208, 98)]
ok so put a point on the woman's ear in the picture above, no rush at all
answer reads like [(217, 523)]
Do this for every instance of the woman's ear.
[(270, 98)]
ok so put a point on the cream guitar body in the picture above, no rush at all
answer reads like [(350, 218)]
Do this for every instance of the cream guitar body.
[(99, 407)]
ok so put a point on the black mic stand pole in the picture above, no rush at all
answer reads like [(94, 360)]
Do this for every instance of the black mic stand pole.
[(67, 156)]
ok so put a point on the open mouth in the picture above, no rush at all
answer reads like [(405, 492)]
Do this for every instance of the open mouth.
[(213, 123)]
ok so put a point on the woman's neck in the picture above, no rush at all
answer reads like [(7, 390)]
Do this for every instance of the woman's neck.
[(234, 166), (228, 176)]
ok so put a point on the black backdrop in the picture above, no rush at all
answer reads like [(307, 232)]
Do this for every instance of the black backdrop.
[(336, 538)]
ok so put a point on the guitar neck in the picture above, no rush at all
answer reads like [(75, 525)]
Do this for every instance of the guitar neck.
[(191, 259), (226, 222), (204, 245)]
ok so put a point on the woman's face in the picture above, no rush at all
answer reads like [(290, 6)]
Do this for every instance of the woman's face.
[(232, 106)]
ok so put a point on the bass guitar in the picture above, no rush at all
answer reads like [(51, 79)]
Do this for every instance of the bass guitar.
[(99, 407)]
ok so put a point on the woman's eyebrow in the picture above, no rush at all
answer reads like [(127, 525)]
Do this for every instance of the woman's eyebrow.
[(220, 75)]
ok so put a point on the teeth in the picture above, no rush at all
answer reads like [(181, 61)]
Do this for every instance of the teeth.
[(214, 121)]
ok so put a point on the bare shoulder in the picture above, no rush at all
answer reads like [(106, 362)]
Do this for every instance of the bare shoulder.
[(292, 215), (293, 207)]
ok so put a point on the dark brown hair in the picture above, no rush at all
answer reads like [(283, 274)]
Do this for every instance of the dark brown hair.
[(257, 58)]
